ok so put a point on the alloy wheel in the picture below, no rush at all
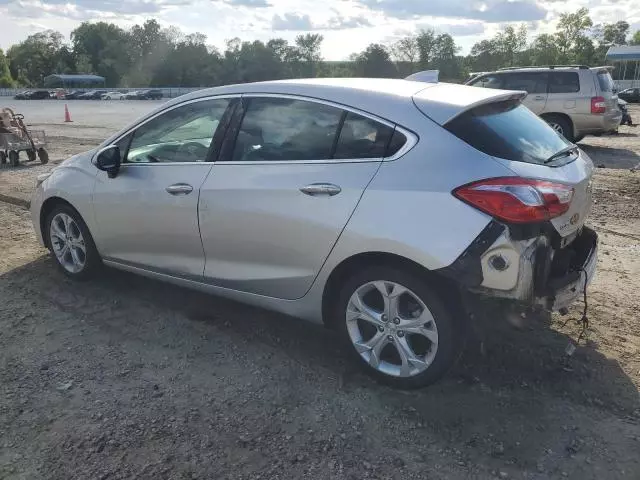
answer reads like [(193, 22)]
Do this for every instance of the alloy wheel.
[(557, 127), (67, 243), (391, 328)]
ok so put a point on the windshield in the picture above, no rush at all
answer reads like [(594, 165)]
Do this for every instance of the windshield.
[(605, 81), (508, 130)]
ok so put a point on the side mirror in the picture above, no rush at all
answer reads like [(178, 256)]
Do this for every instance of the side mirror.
[(108, 160)]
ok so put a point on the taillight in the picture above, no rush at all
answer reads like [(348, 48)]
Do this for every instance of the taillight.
[(598, 105), (517, 200)]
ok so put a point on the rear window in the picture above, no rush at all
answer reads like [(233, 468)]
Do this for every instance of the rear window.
[(508, 130), (605, 81), (564, 82)]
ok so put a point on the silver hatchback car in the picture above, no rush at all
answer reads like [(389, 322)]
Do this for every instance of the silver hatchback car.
[(369, 205)]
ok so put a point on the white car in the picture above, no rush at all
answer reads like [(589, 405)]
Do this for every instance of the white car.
[(374, 206), (113, 96)]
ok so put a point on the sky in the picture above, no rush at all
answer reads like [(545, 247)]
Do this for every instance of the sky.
[(348, 26)]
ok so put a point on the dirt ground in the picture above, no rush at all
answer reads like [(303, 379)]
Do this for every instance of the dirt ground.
[(124, 377)]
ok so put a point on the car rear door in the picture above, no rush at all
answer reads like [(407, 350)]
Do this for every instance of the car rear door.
[(147, 216), (290, 174), (564, 94), (534, 83)]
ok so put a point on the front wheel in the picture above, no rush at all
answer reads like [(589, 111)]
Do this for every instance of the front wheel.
[(71, 243), (398, 327)]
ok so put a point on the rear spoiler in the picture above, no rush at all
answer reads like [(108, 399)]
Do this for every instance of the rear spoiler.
[(428, 76), (445, 101)]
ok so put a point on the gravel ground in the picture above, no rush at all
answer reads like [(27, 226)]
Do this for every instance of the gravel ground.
[(124, 377)]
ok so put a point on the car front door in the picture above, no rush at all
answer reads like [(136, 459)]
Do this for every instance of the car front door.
[(147, 215), (534, 83), (290, 174)]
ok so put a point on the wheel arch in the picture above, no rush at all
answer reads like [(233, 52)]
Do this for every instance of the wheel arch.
[(445, 286), (550, 115), (47, 207)]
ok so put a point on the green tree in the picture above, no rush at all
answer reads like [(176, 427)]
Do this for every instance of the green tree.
[(6, 81), (107, 46), (572, 29), (635, 40), (308, 47), (425, 41), (544, 50), (375, 61), (35, 58)]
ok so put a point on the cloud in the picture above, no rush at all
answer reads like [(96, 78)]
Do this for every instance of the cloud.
[(248, 3), (79, 8), (464, 29), (489, 10), (342, 23), (295, 21), (291, 21)]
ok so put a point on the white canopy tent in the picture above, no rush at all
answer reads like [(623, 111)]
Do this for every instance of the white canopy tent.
[(629, 58)]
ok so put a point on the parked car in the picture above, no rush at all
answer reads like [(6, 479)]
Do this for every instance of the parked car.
[(24, 95), (375, 206), (92, 95), (575, 100), (73, 95), (152, 94), (631, 95), (37, 95), (113, 96)]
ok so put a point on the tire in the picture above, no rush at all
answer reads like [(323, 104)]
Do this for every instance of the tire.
[(578, 138), (433, 346), (89, 261), (43, 155), (14, 158), (3, 158), (31, 155), (561, 125)]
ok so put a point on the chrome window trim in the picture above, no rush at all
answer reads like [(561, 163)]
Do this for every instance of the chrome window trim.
[(412, 138)]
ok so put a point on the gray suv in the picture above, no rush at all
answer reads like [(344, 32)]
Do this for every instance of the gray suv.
[(575, 100)]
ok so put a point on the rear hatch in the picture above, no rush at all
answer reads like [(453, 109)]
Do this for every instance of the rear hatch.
[(526, 145)]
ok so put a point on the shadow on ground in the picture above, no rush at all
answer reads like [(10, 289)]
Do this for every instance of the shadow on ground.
[(279, 396), (608, 157)]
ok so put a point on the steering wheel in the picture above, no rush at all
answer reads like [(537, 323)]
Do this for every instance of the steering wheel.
[(194, 149)]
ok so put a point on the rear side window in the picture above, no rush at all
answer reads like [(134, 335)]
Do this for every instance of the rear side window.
[(605, 81), (508, 130), (398, 139), (362, 137), (277, 129), (530, 82), (564, 82)]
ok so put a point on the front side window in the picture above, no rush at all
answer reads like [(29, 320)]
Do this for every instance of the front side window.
[(361, 137), (564, 82), (183, 134), (530, 82), (277, 129)]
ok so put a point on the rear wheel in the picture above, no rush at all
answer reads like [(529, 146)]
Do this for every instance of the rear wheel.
[(561, 125), (31, 155), (3, 158), (397, 326)]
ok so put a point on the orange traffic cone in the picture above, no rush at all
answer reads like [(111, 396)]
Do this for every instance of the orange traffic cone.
[(67, 116)]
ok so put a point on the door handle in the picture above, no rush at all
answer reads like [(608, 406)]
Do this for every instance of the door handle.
[(179, 189), (317, 189), (539, 97)]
